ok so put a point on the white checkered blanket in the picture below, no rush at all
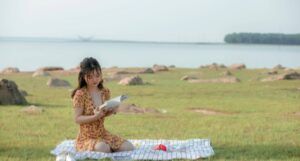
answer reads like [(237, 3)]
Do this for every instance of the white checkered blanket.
[(176, 149)]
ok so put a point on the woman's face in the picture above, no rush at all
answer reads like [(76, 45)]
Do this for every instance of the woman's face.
[(93, 78)]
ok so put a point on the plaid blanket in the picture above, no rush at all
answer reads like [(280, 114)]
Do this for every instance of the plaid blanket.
[(145, 150)]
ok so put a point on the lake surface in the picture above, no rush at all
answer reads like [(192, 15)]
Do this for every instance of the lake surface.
[(28, 56)]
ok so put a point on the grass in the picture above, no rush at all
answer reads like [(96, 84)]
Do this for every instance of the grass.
[(262, 124)]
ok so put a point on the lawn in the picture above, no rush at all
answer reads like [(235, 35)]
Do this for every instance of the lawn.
[(261, 120)]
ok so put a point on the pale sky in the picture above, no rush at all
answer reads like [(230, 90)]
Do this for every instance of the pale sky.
[(147, 20)]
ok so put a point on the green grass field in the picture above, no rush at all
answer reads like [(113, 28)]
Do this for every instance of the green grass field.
[(262, 123)]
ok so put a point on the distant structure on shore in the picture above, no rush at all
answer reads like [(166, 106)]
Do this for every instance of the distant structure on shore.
[(81, 38), (263, 38)]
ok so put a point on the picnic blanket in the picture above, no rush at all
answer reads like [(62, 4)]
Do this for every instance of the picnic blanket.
[(144, 150)]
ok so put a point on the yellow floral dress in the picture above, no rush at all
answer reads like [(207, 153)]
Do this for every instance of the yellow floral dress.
[(93, 132)]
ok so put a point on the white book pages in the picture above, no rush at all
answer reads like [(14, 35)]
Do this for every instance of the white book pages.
[(113, 103)]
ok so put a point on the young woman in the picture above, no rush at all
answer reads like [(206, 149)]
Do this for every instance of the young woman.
[(89, 95)]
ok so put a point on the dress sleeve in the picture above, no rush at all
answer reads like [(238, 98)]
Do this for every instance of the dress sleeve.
[(78, 99)]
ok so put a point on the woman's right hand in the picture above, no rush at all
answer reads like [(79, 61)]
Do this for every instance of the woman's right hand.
[(99, 113)]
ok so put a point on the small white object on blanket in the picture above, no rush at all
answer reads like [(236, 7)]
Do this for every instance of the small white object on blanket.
[(176, 149)]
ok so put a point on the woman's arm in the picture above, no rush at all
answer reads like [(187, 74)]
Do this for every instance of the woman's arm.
[(81, 119)]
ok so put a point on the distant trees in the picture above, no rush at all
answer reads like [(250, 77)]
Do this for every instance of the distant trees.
[(259, 38)]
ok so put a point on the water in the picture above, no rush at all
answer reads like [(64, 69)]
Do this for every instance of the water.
[(29, 56)]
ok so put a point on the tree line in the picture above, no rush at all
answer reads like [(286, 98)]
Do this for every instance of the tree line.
[(263, 38)]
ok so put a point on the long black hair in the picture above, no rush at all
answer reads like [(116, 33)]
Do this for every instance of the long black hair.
[(87, 65)]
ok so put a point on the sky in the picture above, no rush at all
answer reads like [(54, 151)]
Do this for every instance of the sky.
[(147, 20)]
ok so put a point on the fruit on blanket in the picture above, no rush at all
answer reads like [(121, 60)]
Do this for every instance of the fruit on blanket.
[(160, 147)]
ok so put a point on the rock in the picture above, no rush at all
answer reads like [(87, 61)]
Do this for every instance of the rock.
[(121, 72), (237, 66), (213, 66), (113, 78), (48, 69), (55, 82), (40, 73), (10, 94), (146, 70), (32, 110), (226, 73), (24, 93), (272, 72), (158, 68), (288, 70), (10, 70), (229, 79), (278, 67), (284, 76), (134, 80), (186, 77)]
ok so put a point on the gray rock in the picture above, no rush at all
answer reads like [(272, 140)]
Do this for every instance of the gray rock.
[(226, 73), (213, 66), (24, 93), (10, 70), (55, 82), (278, 67), (187, 77), (10, 94), (32, 110), (237, 66), (146, 70), (134, 80), (158, 68), (284, 76), (40, 73), (272, 72), (51, 69)]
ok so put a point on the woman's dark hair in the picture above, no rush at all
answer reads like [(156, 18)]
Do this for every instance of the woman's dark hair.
[(87, 66)]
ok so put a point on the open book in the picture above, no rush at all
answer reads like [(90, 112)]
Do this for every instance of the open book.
[(113, 103)]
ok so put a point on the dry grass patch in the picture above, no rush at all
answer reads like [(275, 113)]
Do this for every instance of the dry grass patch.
[(206, 111)]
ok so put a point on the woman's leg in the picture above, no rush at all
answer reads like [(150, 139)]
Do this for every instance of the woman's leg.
[(102, 147), (126, 146)]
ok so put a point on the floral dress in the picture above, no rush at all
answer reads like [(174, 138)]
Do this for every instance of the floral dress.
[(93, 132)]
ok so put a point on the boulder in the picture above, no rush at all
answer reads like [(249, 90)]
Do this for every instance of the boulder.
[(133, 80), (237, 66), (48, 69), (284, 76), (40, 73), (213, 66), (278, 67), (187, 77), (226, 73), (10, 94), (120, 72), (55, 82), (32, 110), (272, 72), (10, 70), (24, 93), (146, 70), (158, 68)]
